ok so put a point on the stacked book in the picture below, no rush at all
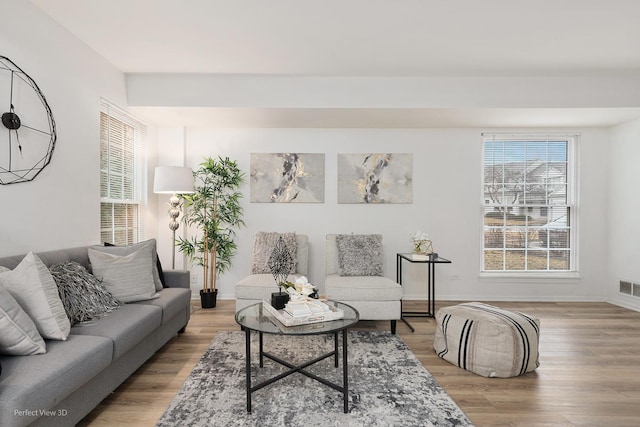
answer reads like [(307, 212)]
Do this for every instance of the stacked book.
[(306, 308), (304, 312)]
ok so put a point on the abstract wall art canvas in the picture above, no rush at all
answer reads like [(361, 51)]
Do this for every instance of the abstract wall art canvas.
[(375, 178), (287, 178)]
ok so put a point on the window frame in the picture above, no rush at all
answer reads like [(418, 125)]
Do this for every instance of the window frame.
[(133, 228), (573, 144)]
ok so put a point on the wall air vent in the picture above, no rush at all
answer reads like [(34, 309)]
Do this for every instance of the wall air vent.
[(626, 287), (629, 288)]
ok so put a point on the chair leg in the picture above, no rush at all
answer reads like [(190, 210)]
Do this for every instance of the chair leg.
[(393, 327)]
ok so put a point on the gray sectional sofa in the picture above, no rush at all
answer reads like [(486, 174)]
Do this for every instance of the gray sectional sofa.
[(62, 386)]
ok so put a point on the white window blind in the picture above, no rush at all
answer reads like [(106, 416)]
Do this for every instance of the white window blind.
[(120, 176), (529, 209)]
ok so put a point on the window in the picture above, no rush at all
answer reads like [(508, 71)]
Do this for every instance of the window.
[(120, 176), (529, 206)]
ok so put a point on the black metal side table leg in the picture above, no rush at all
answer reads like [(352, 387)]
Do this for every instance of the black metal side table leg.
[(345, 371), (261, 351), (399, 281), (335, 349), (248, 367)]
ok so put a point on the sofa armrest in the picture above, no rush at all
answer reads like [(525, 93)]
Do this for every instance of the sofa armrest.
[(176, 278)]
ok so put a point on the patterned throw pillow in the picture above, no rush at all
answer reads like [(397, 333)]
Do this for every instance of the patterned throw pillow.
[(359, 255), (263, 244), (83, 295)]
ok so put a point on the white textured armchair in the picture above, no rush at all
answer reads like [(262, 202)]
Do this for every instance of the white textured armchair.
[(354, 275), (259, 285)]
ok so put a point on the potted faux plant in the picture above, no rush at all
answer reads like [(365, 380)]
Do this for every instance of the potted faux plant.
[(215, 210)]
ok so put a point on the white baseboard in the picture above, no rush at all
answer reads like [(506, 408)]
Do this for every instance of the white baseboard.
[(632, 303), (520, 298)]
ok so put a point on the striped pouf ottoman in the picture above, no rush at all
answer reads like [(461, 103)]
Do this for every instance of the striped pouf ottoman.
[(487, 340)]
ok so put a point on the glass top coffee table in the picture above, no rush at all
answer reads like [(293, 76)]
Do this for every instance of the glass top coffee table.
[(256, 318)]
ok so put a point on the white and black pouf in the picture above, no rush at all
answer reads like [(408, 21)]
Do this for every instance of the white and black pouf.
[(487, 340)]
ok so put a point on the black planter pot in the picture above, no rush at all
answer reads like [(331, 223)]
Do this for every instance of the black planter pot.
[(208, 299)]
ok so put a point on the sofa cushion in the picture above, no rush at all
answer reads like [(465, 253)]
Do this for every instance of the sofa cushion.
[(31, 284), (126, 326), (172, 301), (258, 286), (41, 381), (128, 277), (263, 245), (369, 288), (359, 255), (18, 334)]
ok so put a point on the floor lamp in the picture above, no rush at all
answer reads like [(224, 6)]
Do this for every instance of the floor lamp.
[(173, 180)]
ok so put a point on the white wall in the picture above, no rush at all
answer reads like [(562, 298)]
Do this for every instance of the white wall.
[(60, 208), (446, 204), (624, 209)]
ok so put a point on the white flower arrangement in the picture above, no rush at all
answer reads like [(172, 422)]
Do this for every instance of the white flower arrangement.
[(300, 289)]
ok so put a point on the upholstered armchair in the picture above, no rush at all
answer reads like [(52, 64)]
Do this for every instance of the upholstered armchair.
[(354, 275), (259, 284)]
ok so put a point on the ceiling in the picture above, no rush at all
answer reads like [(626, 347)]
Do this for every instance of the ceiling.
[(360, 38)]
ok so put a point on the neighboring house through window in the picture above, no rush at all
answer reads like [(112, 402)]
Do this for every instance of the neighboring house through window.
[(529, 209), (120, 176)]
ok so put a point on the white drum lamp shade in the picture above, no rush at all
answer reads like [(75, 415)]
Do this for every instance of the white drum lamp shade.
[(173, 180)]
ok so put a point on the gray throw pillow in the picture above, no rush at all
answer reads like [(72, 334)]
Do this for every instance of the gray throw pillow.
[(83, 295), (263, 244), (126, 250), (19, 336), (32, 286), (359, 254), (127, 277)]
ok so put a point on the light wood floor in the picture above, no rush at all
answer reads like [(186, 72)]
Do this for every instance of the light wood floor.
[(589, 372)]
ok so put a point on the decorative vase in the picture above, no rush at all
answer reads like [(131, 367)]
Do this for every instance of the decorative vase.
[(208, 299), (422, 247), (279, 299)]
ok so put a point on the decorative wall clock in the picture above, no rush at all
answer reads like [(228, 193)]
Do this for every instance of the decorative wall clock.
[(28, 131)]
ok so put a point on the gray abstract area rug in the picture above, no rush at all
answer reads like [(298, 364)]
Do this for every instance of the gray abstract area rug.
[(388, 386)]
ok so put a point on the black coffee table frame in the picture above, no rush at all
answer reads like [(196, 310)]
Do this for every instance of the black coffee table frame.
[(336, 327), (344, 389)]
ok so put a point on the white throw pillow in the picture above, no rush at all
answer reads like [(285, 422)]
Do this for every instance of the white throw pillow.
[(18, 334), (129, 278), (32, 285)]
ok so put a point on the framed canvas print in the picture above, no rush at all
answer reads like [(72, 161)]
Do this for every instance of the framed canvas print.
[(287, 178), (375, 178)]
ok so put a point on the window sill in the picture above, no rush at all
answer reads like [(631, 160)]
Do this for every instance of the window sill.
[(532, 276)]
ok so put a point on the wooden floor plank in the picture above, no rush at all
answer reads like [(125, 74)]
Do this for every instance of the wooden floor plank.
[(589, 373)]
